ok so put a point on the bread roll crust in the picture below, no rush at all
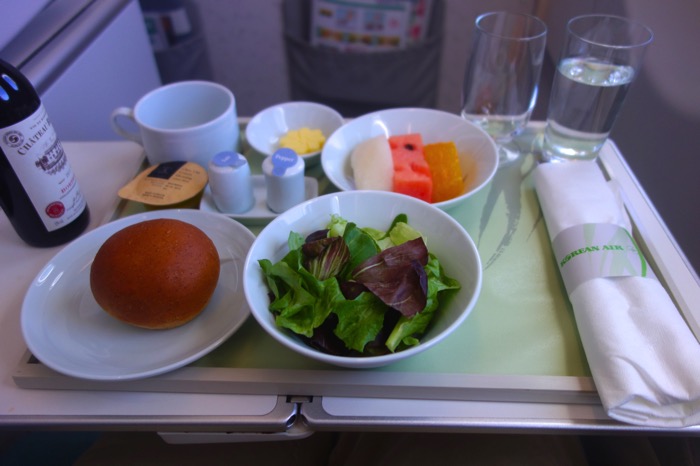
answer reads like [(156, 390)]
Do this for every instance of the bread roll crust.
[(156, 274)]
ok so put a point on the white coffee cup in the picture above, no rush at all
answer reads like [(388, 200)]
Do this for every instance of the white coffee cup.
[(187, 121)]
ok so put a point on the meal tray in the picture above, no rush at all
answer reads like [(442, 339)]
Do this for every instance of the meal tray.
[(520, 342)]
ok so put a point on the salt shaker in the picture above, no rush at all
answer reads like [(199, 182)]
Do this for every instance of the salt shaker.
[(284, 180), (231, 183)]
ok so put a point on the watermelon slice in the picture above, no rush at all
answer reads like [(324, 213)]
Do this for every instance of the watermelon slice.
[(411, 171)]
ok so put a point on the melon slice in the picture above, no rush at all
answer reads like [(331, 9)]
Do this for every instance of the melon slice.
[(372, 164), (443, 159), (411, 171)]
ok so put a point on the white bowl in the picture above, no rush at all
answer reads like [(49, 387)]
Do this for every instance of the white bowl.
[(478, 154), (265, 129), (445, 238)]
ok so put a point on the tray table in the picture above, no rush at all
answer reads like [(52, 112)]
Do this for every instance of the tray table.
[(516, 362)]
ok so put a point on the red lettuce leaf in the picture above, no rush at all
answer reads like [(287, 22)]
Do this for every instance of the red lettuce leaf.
[(397, 276), (325, 257)]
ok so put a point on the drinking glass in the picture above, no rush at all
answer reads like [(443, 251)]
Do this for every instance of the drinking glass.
[(502, 76), (601, 57)]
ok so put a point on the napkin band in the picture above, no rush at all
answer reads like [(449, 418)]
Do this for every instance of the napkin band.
[(597, 250)]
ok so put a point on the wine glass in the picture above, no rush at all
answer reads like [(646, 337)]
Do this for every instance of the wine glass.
[(502, 76)]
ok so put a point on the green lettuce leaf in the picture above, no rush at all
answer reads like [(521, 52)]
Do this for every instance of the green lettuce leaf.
[(403, 232), (336, 227), (300, 301), (359, 320), (407, 329), (361, 246)]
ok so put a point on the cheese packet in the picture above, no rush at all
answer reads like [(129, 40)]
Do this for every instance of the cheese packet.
[(172, 184)]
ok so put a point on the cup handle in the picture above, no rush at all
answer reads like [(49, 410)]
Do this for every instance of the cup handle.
[(125, 112)]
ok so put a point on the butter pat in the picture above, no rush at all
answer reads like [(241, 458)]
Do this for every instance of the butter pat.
[(303, 141)]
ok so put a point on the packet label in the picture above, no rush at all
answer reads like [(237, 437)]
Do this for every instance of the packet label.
[(165, 184), (597, 250)]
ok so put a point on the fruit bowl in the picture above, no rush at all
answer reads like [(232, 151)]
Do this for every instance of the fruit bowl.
[(445, 238), (265, 129), (478, 154)]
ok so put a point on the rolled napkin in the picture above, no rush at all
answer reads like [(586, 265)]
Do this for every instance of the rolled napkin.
[(644, 359)]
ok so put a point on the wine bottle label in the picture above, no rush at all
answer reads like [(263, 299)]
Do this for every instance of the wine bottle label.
[(37, 157)]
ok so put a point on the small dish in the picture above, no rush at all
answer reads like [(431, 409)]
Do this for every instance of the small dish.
[(66, 330), (265, 129), (260, 214)]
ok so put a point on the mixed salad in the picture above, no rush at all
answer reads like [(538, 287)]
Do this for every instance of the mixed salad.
[(355, 291)]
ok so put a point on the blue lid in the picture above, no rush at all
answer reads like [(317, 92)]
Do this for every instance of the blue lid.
[(283, 159), (229, 159)]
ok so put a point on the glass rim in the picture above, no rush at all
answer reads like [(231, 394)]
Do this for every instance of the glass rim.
[(532, 22), (619, 20)]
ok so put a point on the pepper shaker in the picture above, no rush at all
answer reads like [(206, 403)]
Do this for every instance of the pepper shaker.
[(231, 183), (284, 180)]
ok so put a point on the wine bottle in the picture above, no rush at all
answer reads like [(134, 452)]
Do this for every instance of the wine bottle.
[(38, 189)]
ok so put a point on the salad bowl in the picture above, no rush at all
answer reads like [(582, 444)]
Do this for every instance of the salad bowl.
[(478, 154), (444, 237)]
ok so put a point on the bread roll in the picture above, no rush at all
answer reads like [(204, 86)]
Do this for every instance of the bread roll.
[(155, 274)]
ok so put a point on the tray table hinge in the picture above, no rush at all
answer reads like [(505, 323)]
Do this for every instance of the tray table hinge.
[(299, 399)]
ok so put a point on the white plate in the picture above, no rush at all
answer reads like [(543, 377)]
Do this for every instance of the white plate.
[(260, 214), (65, 328)]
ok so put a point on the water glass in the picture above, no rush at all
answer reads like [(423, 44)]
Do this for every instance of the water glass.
[(502, 76), (601, 57)]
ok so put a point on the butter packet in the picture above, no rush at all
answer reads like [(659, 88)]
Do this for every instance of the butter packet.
[(167, 184)]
